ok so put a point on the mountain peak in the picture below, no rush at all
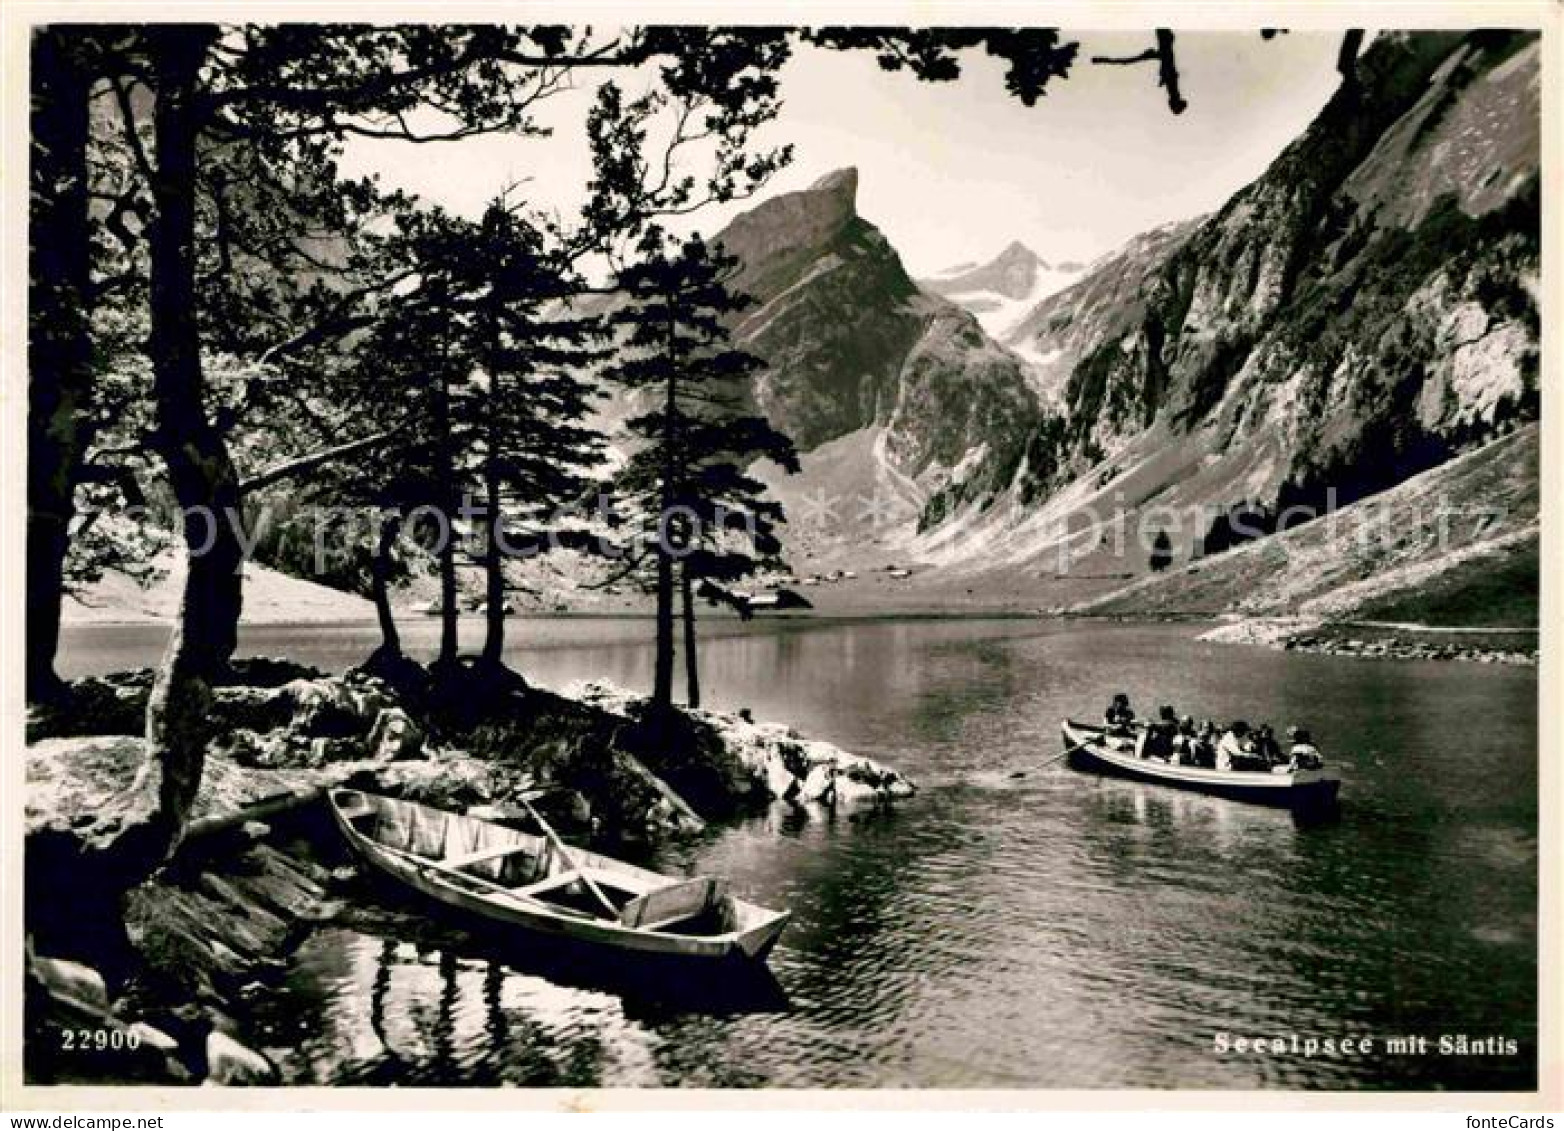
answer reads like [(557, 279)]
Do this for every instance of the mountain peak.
[(1014, 274), (1017, 252), (805, 218), (842, 183)]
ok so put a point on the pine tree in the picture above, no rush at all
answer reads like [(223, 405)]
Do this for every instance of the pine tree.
[(415, 365), (536, 451), (481, 368), (735, 530), (685, 483)]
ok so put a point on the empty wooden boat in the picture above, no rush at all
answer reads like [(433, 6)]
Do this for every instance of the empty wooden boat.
[(541, 884), (1093, 749)]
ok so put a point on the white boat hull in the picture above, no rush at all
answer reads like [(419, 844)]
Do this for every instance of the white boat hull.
[(754, 930), (1090, 750)]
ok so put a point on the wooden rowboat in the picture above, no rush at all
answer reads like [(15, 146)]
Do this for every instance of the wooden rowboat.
[(540, 884), (1092, 748)]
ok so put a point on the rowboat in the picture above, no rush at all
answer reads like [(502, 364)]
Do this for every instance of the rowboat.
[(1091, 748), (540, 884)]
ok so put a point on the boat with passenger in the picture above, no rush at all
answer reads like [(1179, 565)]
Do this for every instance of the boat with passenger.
[(1122, 752)]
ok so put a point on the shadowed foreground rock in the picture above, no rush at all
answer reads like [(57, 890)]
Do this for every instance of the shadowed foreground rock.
[(206, 932)]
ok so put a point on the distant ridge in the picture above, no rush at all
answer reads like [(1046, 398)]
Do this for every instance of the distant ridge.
[(1001, 291)]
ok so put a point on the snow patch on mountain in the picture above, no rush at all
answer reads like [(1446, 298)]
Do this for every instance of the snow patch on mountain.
[(1001, 292)]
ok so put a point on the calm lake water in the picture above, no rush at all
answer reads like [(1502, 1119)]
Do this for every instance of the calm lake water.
[(1050, 929)]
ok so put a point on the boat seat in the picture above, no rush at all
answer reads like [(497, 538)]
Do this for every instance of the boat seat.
[(549, 883), (483, 854), (663, 907)]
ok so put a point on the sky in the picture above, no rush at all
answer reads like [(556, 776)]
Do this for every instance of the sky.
[(952, 172)]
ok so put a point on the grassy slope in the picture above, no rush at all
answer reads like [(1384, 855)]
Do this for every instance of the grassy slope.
[(1495, 590)]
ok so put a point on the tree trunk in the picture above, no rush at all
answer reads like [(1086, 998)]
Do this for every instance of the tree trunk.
[(59, 355), (199, 468), (662, 664), (449, 610), (390, 638), (448, 596), (691, 664), (662, 669), (493, 560), (494, 576)]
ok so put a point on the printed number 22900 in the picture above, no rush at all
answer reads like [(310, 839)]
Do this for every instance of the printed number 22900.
[(98, 1040)]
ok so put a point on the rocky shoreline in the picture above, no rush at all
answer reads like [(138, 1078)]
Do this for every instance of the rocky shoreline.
[(155, 988), (1369, 642)]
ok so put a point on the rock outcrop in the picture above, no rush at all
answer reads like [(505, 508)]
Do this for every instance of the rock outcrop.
[(852, 342), (162, 966), (854, 346), (206, 933), (1363, 313), (780, 764)]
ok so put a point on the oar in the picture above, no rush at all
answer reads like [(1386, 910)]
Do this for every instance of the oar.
[(1068, 751), (568, 854)]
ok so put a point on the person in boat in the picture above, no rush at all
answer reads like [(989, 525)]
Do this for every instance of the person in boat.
[(1304, 755), (1184, 741), (1205, 744), (1119, 716), (1266, 746), (1158, 740), (1236, 750)]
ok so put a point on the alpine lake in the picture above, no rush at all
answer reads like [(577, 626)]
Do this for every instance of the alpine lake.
[(1016, 924)]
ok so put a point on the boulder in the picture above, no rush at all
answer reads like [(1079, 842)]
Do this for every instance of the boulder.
[(73, 1035), (271, 749), (453, 781), (152, 1038), (252, 708), (73, 983), (230, 1064), (819, 784), (851, 790), (371, 694), (324, 708), (395, 737), (773, 759), (267, 671), (780, 781), (325, 751)]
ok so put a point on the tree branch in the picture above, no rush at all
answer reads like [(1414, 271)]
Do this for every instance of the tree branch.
[(288, 469), (127, 114), (1125, 60), (1167, 67), (1347, 57)]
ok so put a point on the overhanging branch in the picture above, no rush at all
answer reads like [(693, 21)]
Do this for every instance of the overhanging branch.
[(1167, 67), (288, 469)]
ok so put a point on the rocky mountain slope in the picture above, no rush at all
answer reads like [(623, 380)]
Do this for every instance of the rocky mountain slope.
[(892, 394), (855, 347), (1055, 335), (1364, 311)]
